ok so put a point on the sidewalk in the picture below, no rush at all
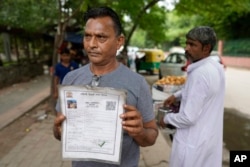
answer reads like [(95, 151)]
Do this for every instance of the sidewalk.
[(39, 148), (17, 99)]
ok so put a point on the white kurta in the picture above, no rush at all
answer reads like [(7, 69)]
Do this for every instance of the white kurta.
[(199, 136)]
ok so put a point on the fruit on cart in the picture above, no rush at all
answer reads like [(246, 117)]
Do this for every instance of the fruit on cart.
[(170, 84), (171, 80)]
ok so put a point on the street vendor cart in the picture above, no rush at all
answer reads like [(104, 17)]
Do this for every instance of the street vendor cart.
[(161, 90)]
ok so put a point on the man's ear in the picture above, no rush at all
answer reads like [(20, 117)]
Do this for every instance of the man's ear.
[(207, 48), (120, 41)]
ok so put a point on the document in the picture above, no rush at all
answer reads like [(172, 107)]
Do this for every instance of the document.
[(92, 129)]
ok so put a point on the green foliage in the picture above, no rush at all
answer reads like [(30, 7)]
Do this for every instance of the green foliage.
[(145, 15), (154, 24), (239, 47), (177, 27), (138, 39), (8, 64), (224, 15), (29, 15), (229, 18)]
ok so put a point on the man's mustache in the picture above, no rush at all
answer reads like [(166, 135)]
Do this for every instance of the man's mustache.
[(187, 54)]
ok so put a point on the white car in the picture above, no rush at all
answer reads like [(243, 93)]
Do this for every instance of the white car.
[(217, 57), (175, 64)]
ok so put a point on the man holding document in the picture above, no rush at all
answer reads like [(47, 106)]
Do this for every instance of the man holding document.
[(102, 38)]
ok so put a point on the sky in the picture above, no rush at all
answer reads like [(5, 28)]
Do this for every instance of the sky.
[(169, 4)]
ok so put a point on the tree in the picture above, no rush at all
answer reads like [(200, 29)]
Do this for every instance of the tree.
[(176, 27), (145, 15), (30, 15), (42, 16), (228, 17), (45, 15)]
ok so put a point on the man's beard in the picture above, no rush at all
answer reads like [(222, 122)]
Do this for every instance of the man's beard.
[(189, 56)]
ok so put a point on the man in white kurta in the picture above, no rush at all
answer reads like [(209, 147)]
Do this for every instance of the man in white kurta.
[(199, 136)]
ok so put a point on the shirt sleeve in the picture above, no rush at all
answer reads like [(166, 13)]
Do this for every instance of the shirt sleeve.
[(194, 97), (56, 70), (145, 102)]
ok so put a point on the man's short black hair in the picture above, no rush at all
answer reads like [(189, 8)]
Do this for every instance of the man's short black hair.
[(204, 34), (65, 51), (103, 12)]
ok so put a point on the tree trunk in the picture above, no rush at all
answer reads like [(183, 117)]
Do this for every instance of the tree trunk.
[(6, 41), (57, 43), (16, 48)]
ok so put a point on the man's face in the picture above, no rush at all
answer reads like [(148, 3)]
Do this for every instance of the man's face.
[(194, 50), (100, 40)]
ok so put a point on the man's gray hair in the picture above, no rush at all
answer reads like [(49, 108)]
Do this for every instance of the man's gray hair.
[(204, 34)]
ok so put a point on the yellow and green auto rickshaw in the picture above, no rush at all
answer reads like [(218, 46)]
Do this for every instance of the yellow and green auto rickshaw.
[(149, 60)]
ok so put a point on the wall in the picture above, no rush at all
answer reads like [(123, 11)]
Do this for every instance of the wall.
[(242, 62), (19, 73)]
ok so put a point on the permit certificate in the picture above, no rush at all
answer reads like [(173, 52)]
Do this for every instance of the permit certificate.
[(92, 129)]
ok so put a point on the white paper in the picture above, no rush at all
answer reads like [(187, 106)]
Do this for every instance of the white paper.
[(92, 129)]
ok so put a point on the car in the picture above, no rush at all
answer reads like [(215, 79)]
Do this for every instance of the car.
[(174, 65), (217, 57)]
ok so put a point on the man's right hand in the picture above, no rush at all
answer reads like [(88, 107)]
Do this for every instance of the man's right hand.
[(170, 100), (57, 129)]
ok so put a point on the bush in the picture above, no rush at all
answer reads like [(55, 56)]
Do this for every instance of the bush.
[(239, 47)]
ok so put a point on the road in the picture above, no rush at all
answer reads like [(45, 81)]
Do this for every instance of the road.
[(237, 90)]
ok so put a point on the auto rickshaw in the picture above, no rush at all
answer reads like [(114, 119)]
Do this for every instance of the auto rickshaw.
[(149, 60)]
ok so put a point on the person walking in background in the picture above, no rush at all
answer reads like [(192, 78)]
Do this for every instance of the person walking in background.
[(137, 63), (102, 38), (198, 140), (62, 68)]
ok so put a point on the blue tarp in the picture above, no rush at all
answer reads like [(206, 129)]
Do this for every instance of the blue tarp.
[(74, 37)]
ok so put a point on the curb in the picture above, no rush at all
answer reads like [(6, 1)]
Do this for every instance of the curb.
[(11, 115)]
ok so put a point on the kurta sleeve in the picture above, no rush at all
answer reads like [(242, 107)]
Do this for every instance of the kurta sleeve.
[(193, 98), (177, 95)]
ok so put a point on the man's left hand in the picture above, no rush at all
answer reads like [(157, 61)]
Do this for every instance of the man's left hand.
[(132, 121)]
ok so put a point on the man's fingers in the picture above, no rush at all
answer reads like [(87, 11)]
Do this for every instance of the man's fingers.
[(131, 112), (59, 119), (57, 125), (129, 108)]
